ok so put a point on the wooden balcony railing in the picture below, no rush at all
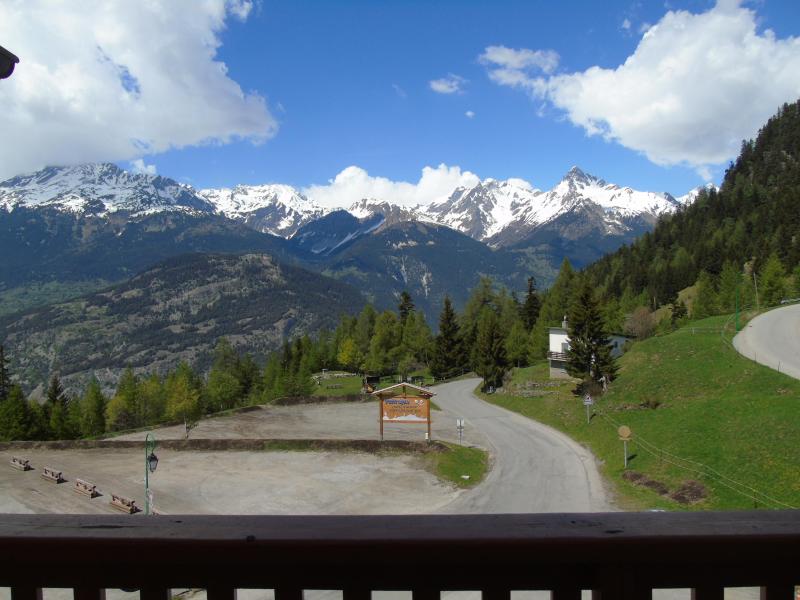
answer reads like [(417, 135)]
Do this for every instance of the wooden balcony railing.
[(619, 556), (562, 356)]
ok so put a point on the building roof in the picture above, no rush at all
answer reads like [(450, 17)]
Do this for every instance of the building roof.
[(423, 391)]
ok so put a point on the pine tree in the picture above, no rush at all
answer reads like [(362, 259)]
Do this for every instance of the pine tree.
[(448, 355), (679, 311), (705, 302), (796, 281), (405, 306), (93, 410), (15, 416), (589, 353), (121, 410), (730, 280), (489, 354), (772, 284), (224, 390), (532, 305), (517, 345), (5, 377), (59, 416), (183, 397)]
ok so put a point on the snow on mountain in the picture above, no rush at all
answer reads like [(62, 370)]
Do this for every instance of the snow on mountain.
[(485, 209), (272, 208), (99, 188), (503, 212), (497, 212), (691, 195), (391, 213)]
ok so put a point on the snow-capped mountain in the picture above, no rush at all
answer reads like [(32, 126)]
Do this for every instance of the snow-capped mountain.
[(99, 188), (502, 213), (272, 208), (391, 213), (691, 196), (486, 209), (499, 213)]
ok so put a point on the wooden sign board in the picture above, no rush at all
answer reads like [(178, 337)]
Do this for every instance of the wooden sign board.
[(406, 409), (404, 403)]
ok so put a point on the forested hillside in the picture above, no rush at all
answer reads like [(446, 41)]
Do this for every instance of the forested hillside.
[(752, 224)]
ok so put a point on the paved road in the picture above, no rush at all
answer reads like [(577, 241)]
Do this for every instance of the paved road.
[(773, 339), (535, 468)]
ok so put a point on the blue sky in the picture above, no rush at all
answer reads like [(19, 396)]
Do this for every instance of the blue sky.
[(336, 84)]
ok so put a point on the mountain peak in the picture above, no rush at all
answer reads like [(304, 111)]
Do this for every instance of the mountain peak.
[(99, 188)]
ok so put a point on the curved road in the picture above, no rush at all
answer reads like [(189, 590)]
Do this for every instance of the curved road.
[(773, 339), (535, 468)]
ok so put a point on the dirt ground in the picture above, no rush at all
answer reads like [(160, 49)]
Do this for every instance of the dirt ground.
[(191, 482), (347, 420)]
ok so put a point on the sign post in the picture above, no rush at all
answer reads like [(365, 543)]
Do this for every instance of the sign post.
[(404, 403), (625, 435), (587, 402), (460, 428)]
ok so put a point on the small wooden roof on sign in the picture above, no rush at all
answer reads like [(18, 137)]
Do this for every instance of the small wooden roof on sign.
[(393, 390)]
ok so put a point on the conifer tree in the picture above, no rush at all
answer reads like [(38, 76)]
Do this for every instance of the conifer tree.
[(405, 306), (517, 345), (772, 284), (448, 355), (183, 397), (15, 416), (705, 302), (489, 354), (796, 281), (93, 410), (5, 377), (532, 305), (224, 390), (730, 280), (589, 353), (59, 417), (121, 409)]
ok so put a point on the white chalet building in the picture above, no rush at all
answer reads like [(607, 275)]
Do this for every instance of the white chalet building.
[(559, 344)]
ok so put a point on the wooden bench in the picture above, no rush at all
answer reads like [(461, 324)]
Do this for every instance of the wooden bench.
[(23, 464), (52, 475), (86, 488), (126, 505)]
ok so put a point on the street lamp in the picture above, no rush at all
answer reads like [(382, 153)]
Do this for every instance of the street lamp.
[(7, 62), (150, 464)]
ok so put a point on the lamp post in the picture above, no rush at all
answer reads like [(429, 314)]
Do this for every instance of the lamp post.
[(150, 464)]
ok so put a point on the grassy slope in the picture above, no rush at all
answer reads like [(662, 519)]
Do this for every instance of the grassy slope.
[(458, 461), (714, 407)]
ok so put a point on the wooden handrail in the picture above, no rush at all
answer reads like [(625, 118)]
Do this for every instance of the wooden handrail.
[(617, 555)]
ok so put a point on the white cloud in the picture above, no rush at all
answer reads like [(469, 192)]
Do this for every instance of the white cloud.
[(696, 85), (354, 184), (399, 91), (470, 114), (452, 84), (139, 166), (519, 59), (626, 24), (115, 80)]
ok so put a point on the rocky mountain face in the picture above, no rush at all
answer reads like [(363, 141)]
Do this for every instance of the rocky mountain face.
[(425, 259), (174, 311), (100, 189), (66, 230), (277, 209)]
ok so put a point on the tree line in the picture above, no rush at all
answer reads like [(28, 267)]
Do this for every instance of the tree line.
[(738, 246), (493, 333)]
